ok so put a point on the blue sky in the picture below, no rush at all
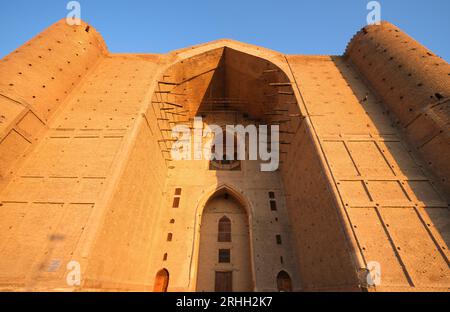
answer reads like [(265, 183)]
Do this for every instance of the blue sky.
[(289, 26)]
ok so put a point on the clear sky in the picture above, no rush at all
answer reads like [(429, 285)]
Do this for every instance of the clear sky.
[(289, 26)]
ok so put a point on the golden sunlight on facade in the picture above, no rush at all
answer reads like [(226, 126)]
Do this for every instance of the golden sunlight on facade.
[(91, 199)]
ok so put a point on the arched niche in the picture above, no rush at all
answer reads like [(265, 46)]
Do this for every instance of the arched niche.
[(284, 282), (224, 261), (161, 281)]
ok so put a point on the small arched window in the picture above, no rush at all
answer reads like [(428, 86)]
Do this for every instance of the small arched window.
[(161, 281), (284, 282), (224, 230)]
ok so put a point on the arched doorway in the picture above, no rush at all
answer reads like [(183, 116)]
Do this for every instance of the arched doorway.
[(224, 263), (284, 282), (161, 281)]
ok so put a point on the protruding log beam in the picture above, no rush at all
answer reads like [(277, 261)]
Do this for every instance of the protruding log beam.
[(267, 71), (280, 84), (169, 83)]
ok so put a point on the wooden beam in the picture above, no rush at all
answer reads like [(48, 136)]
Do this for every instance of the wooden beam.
[(270, 71), (169, 83), (280, 84)]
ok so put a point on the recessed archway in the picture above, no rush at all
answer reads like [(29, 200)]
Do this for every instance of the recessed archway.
[(225, 84), (224, 261), (225, 79), (161, 281), (284, 282), (228, 84)]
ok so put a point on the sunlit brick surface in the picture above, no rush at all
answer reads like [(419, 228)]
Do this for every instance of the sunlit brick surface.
[(86, 172)]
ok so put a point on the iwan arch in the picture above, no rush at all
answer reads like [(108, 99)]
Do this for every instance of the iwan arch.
[(86, 174)]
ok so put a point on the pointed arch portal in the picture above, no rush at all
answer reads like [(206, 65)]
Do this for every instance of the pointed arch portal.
[(228, 77), (221, 81), (224, 263)]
